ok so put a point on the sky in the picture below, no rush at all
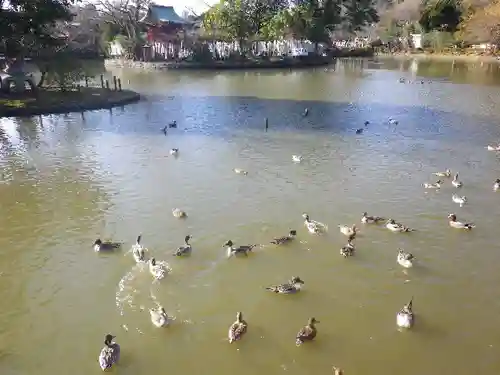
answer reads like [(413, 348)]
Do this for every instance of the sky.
[(179, 5)]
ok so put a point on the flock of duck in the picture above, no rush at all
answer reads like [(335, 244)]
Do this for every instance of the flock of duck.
[(405, 317)]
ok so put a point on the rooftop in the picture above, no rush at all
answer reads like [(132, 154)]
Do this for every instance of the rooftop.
[(160, 13)]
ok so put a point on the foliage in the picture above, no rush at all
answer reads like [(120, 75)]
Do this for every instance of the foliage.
[(61, 70), (483, 24), (29, 24), (444, 15)]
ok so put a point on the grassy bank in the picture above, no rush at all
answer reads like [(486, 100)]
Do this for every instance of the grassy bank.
[(49, 101)]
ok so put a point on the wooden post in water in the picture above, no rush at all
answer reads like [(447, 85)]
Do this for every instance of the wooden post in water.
[(102, 81), (119, 84), (107, 84), (115, 83), (86, 81), (83, 116)]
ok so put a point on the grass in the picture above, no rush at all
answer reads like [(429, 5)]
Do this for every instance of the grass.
[(55, 101)]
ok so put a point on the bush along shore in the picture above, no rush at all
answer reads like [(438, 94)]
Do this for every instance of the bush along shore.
[(78, 99)]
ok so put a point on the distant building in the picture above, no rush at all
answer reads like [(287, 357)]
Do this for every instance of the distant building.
[(416, 40)]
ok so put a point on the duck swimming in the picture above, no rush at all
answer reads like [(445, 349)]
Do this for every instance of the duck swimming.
[(396, 227), (184, 249), (436, 185), (496, 185), (348, 231), (237, 329), (460, 200), (405, 259), (371, 219), (240, 250), (405, 317), (455, 182), (306, 112), (173, 124), (110, 353), (157, 270), (446, 173), (179, 214), (312, 226), (292, 286), (285, 239), (106, 246), (457, 224), (337, 371), (138, 251), (159, 317), (240, 171), (307, 333), (174, 151), (297, 158), (348, 250), (493, 148)]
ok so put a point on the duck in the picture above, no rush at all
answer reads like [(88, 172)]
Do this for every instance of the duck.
[(240, 171), (436, 185), (392, 121), (138, 251), (173, 124), (457, 224), (157, 270), (446, 173), (110, 353), (174, 151), (184, 249), (397, 227), (455, 182), (297, 158), (367, 123), (460, 200), (285, 239), (405, 317), (237, 329), (493, 148), (307, 333), (496, 185), (306, 112), (371, 219), (348, 250), (240, 250), (159, 317), (292, 286), (106, 246), (405, 259), (337, 371), (313, 226), (359, 131), (348, 231), (178, 213)]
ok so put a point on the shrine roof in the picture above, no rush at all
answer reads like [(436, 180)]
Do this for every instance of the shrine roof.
[(163, 14)]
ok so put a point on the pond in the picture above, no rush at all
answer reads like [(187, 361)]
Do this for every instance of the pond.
[(67, 180)]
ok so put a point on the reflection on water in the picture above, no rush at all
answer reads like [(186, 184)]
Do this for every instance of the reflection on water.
[(67, 180)]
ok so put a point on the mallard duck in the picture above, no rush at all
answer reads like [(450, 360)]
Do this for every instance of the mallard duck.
[(493, 148), (292, 286), (297, 158), (396, 227), (106, 246), (184, 249), (436, 185), (348, 250), (110, 353), (237, 329), (371, 219), (367, 123), (285, 239), (173, 124), (240, 171), (178, 213), (157, 270), (405, 317), (405, 259), (457, 224), (460, 200), (159, 317), (496, 185), (446, 173), (138, 251), (307, 333), (392, 121), (455, 182), (174, 151), (240, 250), (359, 131), (313, 226), (348, 231)]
